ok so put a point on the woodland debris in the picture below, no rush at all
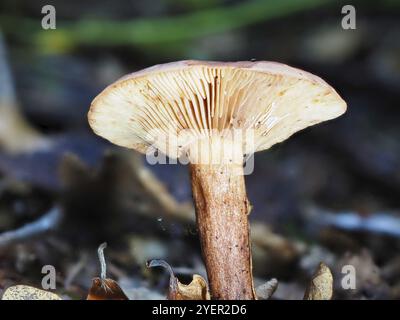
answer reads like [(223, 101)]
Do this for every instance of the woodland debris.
[(321, 284), (74, 270), (45, 223), (103, 288), (22, 292), (369, 283), (383, 223), (266, 290), (132, 184), (272, 252), (195, 290), (263, 237)]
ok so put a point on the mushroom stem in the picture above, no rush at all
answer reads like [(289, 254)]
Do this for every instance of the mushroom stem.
[(222, 212)]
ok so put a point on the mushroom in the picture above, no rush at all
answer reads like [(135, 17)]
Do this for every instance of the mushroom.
[(196, 110)]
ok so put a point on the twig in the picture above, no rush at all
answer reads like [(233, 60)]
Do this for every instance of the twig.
[(380, 222), (103, 266), (74, 271), (45, 223)]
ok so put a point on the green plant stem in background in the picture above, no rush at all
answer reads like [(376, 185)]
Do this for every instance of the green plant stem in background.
[(152, 31)]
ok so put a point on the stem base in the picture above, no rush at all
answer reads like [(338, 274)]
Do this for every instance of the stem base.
[(222, 210)]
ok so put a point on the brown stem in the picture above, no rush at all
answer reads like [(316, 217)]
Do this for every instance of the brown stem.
[(222, 218)]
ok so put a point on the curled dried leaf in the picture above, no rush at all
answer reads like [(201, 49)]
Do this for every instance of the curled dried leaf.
[(197, 289), (266, 290), (321, 284), (22, 292)]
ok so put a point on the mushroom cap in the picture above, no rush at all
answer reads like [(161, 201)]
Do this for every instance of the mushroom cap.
[(200, 99)]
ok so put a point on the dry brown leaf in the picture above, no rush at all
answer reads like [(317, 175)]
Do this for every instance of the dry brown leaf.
[(197, 289), (321, 284), (105, 289), (22, 292)]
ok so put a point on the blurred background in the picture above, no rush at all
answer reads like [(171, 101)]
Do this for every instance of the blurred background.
[(330, 193)]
